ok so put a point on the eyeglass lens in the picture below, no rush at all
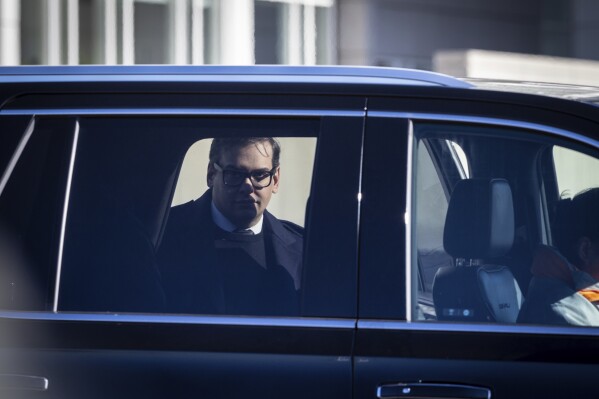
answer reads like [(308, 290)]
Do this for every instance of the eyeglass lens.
[(258, 178)]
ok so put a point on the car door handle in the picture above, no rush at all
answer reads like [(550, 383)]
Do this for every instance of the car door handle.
[(19, 382), (419, 390)]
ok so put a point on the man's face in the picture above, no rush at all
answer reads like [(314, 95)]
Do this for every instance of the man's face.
[(243, 204)]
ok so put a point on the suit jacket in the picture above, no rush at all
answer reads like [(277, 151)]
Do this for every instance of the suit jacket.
[(193, 278)]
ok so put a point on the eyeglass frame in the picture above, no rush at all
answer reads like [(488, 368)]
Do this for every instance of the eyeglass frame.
[(246, 175)]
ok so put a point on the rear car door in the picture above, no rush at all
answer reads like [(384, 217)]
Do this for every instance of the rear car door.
[(438, 315), (85, 199)]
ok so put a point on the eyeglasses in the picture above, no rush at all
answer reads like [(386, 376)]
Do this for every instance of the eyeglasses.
[(259, 178)]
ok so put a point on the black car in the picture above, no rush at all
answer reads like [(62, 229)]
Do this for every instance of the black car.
[(422, 201)]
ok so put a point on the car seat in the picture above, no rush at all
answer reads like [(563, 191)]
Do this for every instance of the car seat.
[(479, 230)]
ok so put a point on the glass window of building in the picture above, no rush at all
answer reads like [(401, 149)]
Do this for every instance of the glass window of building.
[(294, 32)]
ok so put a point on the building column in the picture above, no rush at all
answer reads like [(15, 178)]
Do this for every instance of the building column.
[(10, 33), (53, 47), (109, 31), (309, 35), (73, 32), (197, 32), (179, 40), (293, 29), (128, 27), (236, 32)]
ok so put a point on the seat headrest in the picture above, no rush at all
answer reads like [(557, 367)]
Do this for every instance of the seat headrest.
[(480, 219)]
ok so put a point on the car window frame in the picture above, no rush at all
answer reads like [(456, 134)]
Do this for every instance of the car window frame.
[(344, 320), (403, 320)]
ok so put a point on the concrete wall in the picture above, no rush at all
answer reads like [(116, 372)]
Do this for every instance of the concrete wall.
[(407, 33), (519, 67)]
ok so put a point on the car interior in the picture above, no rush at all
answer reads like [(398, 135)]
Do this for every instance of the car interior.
[(484, 202), (475, 252), (118, 210)]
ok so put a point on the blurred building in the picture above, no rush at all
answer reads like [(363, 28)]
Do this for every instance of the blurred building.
[(547, 40), (544, 40), (55, 32)]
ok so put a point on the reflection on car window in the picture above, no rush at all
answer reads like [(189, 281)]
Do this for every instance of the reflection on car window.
[(430, 214), (30, 214), (180, 220), (481, 240), (575, 171)]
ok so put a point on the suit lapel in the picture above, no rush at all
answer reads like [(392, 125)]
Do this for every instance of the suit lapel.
[(286, 249), (207, 264)]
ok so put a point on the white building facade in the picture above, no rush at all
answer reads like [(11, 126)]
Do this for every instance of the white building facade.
[(236, 32), (542, 40)]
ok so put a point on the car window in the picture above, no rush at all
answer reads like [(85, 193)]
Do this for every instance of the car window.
[(31, 204), (154, 225), (575, 171), (433, 193), (482, 246), (12, 132), (290, 201)]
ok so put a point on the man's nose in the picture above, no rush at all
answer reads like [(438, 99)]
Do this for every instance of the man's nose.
[(246, 185)]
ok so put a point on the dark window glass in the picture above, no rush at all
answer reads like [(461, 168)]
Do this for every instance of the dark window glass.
[(30, 215), (141, 235), (499, 227), (12, 130)]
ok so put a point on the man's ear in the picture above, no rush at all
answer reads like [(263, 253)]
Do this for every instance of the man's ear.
[(210, 175), (275, 180)]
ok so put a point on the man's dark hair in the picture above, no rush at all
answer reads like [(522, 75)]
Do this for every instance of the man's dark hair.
[(577, 217), (221, 144)]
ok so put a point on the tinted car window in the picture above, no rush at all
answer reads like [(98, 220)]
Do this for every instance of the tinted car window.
[(12, 131), (433, 189), (141, 234), (575, 171), (488, 228), (30, 214)]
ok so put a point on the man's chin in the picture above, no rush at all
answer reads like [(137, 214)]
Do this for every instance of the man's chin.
[(245, 218)]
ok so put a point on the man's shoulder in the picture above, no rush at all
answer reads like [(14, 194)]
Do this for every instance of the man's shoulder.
[(292, 228), (185, 218), (284, 228), (184, 209), (188, 209)]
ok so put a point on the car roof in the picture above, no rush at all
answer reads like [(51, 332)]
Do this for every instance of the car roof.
[(210, 73), (586, 94)]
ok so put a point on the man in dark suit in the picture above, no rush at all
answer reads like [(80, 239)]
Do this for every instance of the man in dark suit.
[(224, 253)]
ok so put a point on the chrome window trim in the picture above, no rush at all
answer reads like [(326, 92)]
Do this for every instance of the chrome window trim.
[(64, 216), (182, 112), (229, 73), (487, 121), (408, 220), (490, 328), (17, 154), (183, 319), (228, 79), (464, 174)]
